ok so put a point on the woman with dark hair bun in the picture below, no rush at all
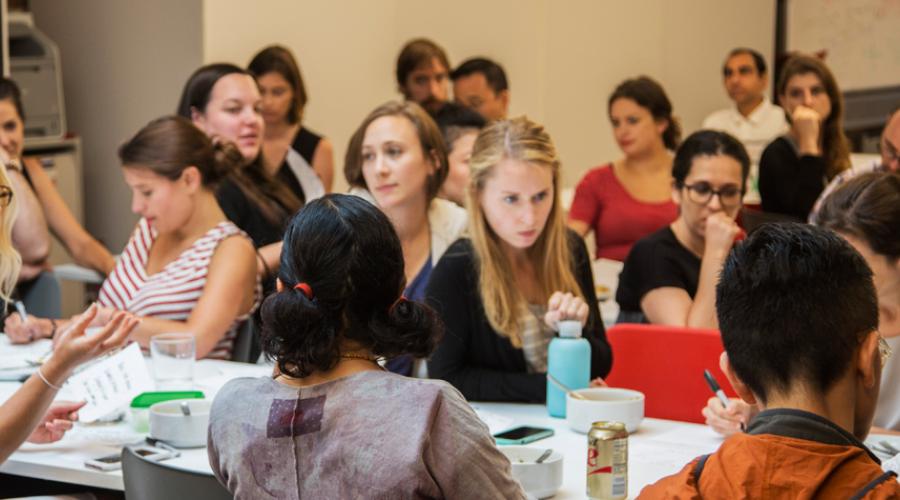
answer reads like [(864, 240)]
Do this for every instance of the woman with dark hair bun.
[(338, 311), (669, 277), (625, 200)]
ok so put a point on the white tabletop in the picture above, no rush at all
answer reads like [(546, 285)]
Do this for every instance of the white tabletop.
[(659, 447)]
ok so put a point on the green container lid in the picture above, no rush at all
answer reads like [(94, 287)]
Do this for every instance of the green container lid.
[(148, 399)]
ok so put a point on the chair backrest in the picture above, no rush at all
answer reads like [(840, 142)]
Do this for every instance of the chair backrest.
[(246, 344), (666, 364), (149, 480)]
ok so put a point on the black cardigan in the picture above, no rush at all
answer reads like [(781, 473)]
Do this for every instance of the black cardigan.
[(790, 184), (483, 365)]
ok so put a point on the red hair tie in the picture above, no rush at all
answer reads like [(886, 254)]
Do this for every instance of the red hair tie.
[(305, 288), (401, 300)]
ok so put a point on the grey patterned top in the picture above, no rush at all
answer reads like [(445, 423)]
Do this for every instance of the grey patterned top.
[(372, 435)]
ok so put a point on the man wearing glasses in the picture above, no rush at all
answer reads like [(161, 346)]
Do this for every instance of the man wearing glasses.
[(890, 160)]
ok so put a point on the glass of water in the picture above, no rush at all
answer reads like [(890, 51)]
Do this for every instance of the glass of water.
[(173, 360)]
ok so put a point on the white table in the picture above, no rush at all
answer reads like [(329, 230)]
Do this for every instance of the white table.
[(657, 449)]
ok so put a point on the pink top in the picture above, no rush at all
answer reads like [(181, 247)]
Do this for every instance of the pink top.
[(618, 220), (173, 292)]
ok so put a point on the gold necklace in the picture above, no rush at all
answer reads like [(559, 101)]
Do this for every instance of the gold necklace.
[(364, 357)]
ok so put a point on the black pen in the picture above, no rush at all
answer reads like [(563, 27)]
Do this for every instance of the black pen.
[(714, 386)]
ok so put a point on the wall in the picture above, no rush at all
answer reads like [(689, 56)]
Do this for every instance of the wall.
[(124, 63), (563, 58)]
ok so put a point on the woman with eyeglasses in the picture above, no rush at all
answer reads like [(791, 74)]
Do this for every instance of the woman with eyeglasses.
[(866, 212), (669, 277)]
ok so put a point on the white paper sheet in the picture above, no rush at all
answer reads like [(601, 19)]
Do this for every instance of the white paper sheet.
[(111, 383)]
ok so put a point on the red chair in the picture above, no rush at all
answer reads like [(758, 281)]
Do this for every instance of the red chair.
[(666, 363)]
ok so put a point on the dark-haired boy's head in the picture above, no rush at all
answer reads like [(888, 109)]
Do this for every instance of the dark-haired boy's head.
[(798, 314), (480, 84)]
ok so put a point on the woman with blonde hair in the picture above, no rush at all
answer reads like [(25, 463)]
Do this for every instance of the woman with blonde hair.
[(502, 291), (28, 413), (795, 168)]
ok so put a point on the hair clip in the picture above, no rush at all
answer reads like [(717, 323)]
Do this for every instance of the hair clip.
[(397, 302), (305, 288)]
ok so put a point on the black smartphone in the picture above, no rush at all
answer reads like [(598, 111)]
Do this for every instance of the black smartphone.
[(522, 435)]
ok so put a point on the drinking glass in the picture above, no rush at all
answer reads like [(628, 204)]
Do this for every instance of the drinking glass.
[(173, 360)]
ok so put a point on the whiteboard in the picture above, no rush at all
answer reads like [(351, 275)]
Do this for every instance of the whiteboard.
[(861, 37)]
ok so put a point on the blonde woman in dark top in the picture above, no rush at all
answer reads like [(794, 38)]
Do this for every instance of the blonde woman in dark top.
[(502, 291)]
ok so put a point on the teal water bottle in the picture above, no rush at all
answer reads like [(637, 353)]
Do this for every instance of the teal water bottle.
[(568, 361)]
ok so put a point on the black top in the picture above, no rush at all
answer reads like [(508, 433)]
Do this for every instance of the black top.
[(246, 215), (656, 261), (305, 142), (790, 184), (483, 365)]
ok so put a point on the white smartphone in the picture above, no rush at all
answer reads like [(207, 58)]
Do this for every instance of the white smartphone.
[(114, 462)]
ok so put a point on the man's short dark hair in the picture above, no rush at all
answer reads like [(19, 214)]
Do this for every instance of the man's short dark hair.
[(758, 59), (415, 53), (794, 301), (493, 72), (454, 120)]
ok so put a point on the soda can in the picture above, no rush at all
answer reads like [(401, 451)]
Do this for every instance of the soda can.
[(607, 461)]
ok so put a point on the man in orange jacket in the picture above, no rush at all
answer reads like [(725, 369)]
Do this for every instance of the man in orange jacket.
[(799, 317)]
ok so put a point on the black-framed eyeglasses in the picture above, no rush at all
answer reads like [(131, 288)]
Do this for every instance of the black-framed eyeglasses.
[(702, 192), (6, 195)]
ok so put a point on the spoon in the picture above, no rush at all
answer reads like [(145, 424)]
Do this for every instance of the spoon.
[(565, 389), (544, 456)]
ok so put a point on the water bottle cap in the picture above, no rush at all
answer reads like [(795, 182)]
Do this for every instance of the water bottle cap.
[(570, 329)]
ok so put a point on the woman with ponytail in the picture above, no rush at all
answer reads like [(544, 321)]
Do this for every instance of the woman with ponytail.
[(186, 268), (339, 311)]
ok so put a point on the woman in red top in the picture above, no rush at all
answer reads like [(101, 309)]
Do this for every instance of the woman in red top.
[(632, 197)]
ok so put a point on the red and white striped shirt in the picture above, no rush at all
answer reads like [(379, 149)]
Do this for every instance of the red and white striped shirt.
[(173, 292)]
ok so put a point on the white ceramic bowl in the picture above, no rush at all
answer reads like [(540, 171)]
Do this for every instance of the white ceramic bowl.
[(168, 423), (605, 403), (538, 480)]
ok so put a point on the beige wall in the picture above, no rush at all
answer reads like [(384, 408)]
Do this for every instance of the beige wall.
[(563, 58), (124, 63)]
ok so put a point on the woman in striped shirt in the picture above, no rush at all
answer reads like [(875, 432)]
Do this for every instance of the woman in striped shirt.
[(186, 268)]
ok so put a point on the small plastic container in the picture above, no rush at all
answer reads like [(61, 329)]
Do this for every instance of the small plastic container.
[(140, 406)]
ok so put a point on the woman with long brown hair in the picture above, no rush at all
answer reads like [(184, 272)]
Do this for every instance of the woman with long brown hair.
[(795, 168), (223, 100), (502, 291)]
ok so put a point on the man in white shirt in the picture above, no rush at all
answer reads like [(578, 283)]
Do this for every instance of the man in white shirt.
[(754, 120)]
